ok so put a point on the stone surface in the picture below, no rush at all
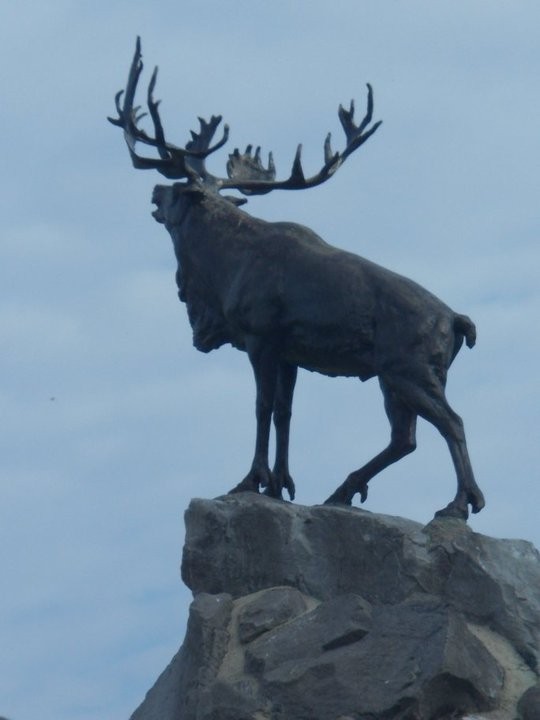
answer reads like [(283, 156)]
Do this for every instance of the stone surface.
[(334, 623), (330, 613), (176, 693), (326, 551), (416, 655), (267, 610), (529, 704)]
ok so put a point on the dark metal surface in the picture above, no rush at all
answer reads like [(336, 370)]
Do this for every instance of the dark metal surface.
[(288, 299)]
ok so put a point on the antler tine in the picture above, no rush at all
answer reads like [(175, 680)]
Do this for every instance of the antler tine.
[(125, 110), (355, 133), (171, 161), (249, 168), (247, 174), (199, 146), (174, 162), (200, 142), (329, 156), (153, 109)]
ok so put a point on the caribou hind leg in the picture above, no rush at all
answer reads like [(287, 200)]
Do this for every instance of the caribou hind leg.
[(450, 425), (426, 395), (402, 442)]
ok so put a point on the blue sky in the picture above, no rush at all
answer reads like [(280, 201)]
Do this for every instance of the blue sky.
[(112, 422)]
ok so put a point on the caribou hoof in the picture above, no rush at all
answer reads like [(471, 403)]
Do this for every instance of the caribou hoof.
[(274, 489), (281, 480), (345, 493), (274, 493), (476, 501), (247, 485), (342, 496), (338, 498), (259, 477), (453, 510), (459, 507)]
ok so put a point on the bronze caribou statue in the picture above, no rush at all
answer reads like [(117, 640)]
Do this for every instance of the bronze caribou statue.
[(288, 299)]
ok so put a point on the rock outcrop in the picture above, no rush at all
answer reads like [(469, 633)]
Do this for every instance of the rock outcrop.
[(330, 613)]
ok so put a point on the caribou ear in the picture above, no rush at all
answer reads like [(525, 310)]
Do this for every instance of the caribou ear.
[(235, 200)]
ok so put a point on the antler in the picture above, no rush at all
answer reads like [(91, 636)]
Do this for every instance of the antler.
[(247, 173), (173, 162)]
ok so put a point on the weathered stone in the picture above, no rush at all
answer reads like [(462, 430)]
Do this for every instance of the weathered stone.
[(229, 699), (529, 704), (334, 623), (331, 613), (494, 582), (268, 609), (326, 551), (417, 656), (195, 666), (323, 551)]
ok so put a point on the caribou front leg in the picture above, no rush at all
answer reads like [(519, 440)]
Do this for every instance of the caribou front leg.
[(264, 360), (286, 379)]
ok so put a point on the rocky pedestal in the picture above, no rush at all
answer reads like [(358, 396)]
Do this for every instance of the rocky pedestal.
[(328, 613)]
